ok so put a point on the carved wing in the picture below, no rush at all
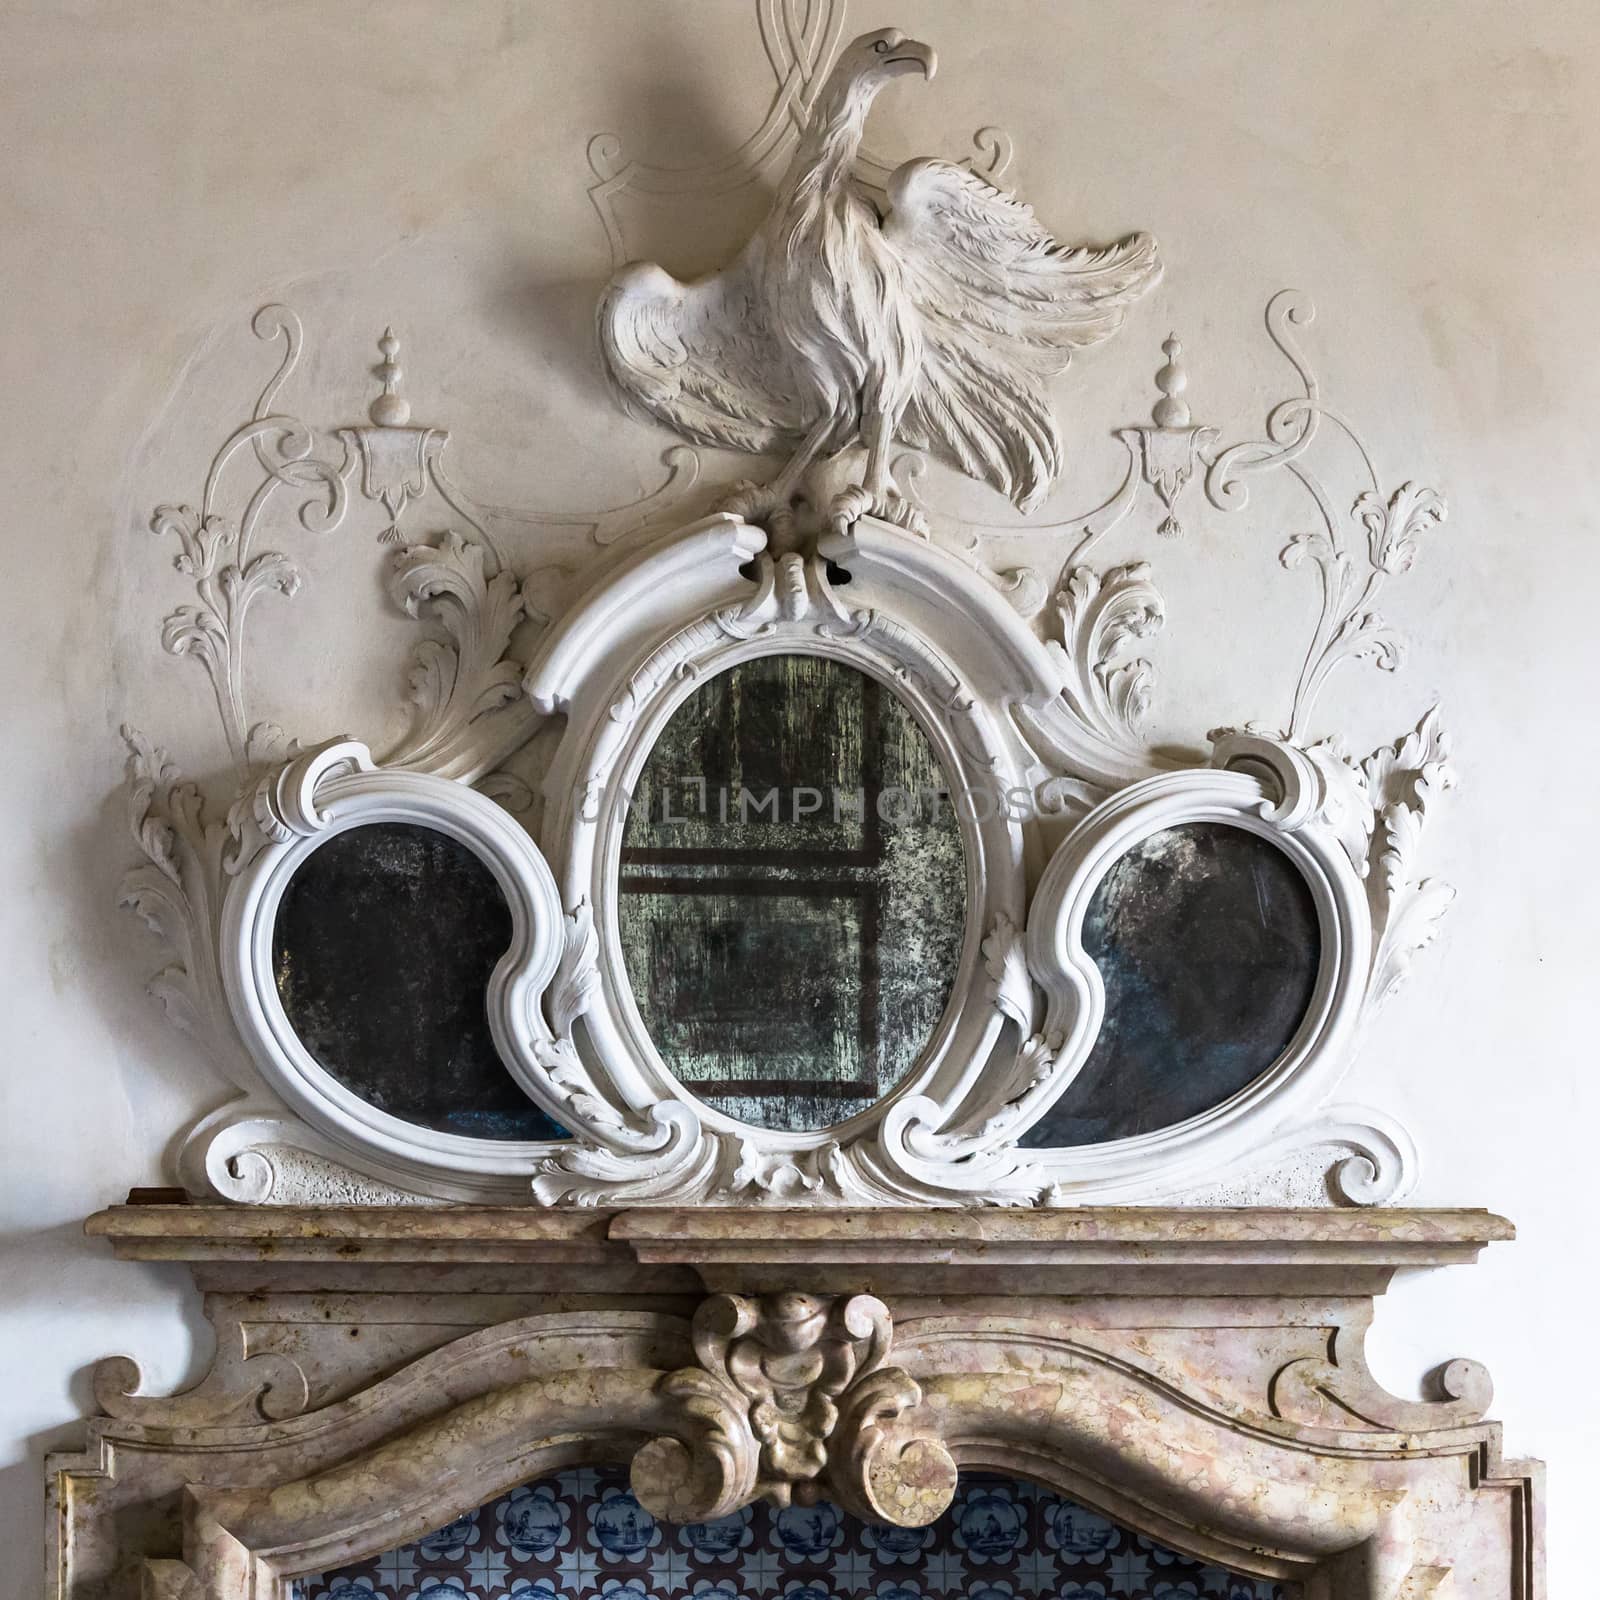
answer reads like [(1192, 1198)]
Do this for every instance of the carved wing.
[(1003, 308), (699, 356)]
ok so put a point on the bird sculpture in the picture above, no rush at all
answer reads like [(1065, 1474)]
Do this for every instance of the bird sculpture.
[(934, 320)]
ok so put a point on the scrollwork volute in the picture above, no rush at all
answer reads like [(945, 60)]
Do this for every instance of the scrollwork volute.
[(793, 1400)]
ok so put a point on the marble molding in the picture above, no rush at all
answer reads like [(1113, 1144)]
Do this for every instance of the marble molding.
[(1197, 1375)]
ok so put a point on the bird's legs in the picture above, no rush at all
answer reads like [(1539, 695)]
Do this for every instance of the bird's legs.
[(773, 503), (876, 496)]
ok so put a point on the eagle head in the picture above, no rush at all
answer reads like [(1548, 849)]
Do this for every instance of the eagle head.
[(877, 57)]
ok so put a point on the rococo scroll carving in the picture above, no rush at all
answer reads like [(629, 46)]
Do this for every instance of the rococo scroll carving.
[(793, 1400), (240, 1388), (1340, 1391)]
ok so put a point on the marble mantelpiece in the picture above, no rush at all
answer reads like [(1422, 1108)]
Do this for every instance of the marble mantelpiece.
[(1197, 1374), (938, 1251)]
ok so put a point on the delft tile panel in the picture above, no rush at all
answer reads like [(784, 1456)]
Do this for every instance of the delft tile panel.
[(580, 1535)]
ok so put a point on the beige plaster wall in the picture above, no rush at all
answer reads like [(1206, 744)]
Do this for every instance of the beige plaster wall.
[(1427, 170)]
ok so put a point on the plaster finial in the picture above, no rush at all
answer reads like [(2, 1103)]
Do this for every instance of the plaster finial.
[(390, 409), (1170, 410)]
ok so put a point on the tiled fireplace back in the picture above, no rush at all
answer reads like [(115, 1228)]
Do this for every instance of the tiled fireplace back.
[(581, 1535)]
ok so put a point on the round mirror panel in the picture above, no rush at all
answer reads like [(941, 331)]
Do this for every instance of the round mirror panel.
[(792, 892), (384, 943), (1206, 938)]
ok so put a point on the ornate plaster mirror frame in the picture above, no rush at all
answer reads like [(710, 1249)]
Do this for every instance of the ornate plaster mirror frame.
[(1033, 713), (1027, 1002), (336, 789)]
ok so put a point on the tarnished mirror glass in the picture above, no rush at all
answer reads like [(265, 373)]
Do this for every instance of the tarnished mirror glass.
[(1206, 939), (384, 943), (792, 894)]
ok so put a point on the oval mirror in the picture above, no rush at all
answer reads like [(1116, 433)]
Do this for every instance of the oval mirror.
[(383, 946), (792, 892), (1207, 941)]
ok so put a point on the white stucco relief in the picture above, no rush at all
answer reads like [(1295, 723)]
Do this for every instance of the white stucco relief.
[(1031, 689)]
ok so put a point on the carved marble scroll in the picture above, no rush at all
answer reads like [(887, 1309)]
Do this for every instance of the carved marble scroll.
[(793, 1400)]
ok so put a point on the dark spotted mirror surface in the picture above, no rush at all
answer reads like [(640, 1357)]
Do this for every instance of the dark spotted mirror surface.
[(382, 950), (1206, 938), (792, 891)]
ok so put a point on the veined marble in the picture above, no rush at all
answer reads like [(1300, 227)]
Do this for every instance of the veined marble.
[(1194, 1376)]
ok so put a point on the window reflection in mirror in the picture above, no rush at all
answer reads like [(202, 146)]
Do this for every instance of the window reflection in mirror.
[(792, 893)]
